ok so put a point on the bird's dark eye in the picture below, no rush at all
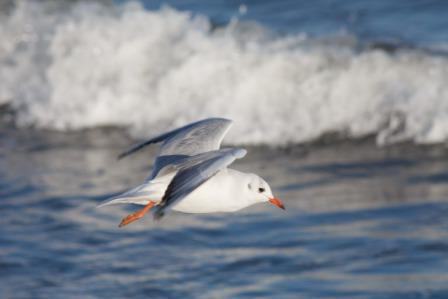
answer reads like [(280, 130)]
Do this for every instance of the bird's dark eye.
[(261, 190)]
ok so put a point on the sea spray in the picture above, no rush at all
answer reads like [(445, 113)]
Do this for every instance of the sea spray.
[(90, 65)]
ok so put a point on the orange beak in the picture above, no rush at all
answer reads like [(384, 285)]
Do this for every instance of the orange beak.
[(277, 202)]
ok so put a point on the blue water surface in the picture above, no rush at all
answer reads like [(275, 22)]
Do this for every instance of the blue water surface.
[(361, 222), (413, 22)]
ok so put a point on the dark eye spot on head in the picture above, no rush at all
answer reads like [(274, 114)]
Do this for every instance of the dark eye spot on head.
[(261, 190), (249, 186)]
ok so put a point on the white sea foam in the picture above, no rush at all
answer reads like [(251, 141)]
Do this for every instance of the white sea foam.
[(89, 65)]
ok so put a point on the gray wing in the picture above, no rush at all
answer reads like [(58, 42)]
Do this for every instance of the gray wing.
[(192, 139), (194, 172)]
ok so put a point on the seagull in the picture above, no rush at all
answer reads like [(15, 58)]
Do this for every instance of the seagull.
[(191, 175)]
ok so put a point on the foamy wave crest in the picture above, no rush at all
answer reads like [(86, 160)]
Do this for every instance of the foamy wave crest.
[(91, 65)]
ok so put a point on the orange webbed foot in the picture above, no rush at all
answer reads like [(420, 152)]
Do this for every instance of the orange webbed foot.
[(136, 215)]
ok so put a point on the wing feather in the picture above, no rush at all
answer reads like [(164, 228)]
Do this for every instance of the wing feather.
[(198, 137), (195, 172)]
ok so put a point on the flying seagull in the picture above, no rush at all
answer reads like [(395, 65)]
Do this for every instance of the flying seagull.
[(190, 175)]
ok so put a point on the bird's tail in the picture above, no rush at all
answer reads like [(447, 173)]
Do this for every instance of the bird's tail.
[(140, 195)]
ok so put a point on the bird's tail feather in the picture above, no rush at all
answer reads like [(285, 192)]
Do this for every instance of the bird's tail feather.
[(140, 195)]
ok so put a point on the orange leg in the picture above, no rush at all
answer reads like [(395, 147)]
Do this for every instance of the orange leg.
[(137, 215)]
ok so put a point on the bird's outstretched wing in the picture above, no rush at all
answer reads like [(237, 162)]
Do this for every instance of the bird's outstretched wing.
[(195, 171), (195, 138)]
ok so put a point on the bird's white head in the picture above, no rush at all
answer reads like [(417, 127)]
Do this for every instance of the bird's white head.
[(259, 191)]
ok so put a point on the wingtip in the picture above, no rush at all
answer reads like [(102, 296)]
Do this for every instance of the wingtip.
[(126, 153), (121, 156)]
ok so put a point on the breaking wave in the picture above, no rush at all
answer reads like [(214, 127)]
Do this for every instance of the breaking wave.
[(85, 65)]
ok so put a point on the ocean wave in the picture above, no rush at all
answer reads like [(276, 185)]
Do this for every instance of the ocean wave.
[(90, 65)]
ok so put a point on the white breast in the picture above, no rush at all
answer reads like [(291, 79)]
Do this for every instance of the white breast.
[(222, 193)]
